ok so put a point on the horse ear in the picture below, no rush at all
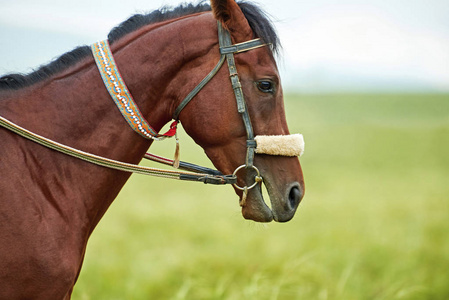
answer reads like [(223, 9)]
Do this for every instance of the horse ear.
[(231, 16)]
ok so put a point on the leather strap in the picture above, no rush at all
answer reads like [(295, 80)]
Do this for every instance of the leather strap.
[(198, 88), (242, 47), (182, 165), (226, 47)]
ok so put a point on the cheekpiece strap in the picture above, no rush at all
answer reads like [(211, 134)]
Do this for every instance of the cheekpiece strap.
[(228, 49), (121, 95)]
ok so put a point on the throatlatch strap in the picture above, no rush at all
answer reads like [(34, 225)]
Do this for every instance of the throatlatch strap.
[(121, 95), (198, 88), (224, 50)]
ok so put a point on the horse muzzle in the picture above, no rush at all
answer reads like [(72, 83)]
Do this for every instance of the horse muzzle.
[(282, 178), (284, 198)]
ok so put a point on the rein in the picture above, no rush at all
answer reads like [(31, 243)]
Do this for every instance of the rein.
[(212, 178), (125, 103)]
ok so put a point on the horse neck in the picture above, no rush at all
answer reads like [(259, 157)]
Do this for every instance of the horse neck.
[(74, 108)]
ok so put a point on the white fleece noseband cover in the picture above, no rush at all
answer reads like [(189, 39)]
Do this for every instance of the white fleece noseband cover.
[(284, 145)]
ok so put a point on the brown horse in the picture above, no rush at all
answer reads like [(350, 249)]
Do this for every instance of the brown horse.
[(51, 202)]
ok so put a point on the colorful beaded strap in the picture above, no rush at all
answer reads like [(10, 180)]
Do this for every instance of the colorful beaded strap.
[(121, 95)]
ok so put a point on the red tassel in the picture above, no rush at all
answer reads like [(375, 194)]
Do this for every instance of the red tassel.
[(172, 131)]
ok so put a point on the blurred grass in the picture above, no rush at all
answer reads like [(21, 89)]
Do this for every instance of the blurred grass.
[(373, 224)]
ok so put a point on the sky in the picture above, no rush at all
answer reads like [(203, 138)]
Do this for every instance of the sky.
[(328, 45)]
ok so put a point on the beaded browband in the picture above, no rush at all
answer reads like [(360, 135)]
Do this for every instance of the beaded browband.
[(121, 95)]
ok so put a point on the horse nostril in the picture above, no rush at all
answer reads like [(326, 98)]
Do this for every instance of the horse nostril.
[(294, 197)]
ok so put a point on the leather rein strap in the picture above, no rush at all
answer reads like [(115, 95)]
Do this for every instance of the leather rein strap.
[(118, 165)]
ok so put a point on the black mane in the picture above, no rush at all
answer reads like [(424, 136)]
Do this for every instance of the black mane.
[(257, 18)]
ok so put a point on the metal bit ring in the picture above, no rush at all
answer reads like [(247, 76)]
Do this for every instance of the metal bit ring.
[(257, 178)]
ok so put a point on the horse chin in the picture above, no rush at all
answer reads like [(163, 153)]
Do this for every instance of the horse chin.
[(283, 207), (255, 207)]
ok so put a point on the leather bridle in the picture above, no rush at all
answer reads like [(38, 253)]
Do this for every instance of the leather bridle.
[(227, 51)]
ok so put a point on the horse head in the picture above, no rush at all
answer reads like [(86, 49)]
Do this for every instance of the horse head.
[(214, 122)]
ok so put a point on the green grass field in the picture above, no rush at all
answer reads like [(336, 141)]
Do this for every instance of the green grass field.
[(374, 223)]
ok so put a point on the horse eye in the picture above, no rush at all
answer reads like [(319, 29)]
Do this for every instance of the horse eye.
[(265, 86)]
